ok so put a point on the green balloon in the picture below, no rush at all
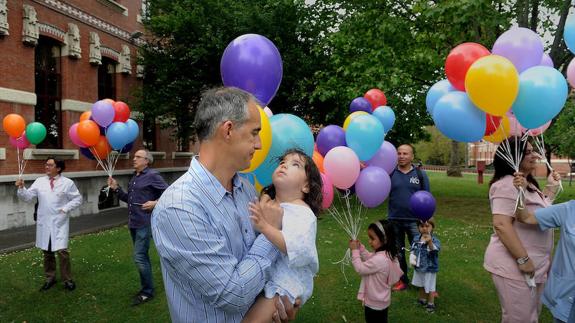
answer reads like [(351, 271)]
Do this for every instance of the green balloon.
[(35, 133)]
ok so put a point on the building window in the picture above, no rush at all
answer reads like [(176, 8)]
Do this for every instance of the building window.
[(107, 79), (149, 133), (48, 83)]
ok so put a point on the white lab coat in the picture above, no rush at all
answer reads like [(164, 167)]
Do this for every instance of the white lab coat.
[(52, 223)]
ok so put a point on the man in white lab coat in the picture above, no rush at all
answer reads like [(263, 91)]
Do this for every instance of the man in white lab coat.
[(57, 196)]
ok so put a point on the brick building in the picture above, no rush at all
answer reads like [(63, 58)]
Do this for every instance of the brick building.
[(57, 58)]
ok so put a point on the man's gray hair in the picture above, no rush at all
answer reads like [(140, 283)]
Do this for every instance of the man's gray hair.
[(219, 105), (149, 157)]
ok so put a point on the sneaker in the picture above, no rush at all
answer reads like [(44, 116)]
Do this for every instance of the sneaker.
[(70, 285), (422, 302), (430, 308), (47, 285), (399, 286), (141, 298)]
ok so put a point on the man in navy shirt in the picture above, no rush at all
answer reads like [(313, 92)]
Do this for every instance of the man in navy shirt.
[(406, 179), (144, 190)]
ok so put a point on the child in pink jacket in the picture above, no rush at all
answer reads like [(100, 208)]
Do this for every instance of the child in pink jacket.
[(379, 270)]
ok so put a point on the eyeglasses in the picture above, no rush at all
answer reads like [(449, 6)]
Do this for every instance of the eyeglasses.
[(50, 165), (140, 157)]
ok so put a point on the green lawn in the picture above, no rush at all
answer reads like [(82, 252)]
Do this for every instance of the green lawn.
[(107, 278)]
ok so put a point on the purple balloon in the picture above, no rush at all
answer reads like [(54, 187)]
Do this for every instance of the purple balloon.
[(522, 46), (252, 63), (329, 137), (385, 157), (103, 113), (422, 205), (372, 186), (360, 104), (546, 60), (87, 153)]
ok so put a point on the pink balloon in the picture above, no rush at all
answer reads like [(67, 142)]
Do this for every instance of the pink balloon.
[(326, 191), (73, 133), (342, 166), (571, 73), (515, 128), (21, 143), (268, 112), (538, 131)]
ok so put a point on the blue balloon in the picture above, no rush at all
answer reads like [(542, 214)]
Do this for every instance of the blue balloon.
[(288, 131), (364, 136), (360, 104), (386, 116), (133, 130), (435, 92), (117, 135), (87, 153), (542, 95), (457, 118), (249, 176), (569, 33)]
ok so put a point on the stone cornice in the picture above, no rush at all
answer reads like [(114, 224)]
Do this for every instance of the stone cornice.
[(52, 31), (17, 96)]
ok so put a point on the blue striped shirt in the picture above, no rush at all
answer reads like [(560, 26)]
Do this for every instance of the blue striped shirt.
[(213, 265)]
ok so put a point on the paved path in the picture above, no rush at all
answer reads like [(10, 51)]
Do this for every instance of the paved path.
[(24, 237)]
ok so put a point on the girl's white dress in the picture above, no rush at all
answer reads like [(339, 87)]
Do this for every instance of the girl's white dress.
[(292, 274)]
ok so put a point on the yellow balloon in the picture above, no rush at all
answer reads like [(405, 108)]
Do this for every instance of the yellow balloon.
[(492, 83), (351, 117), (502, 132), (266, 140)]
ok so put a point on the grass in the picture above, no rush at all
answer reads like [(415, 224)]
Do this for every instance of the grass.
[(107, 278)]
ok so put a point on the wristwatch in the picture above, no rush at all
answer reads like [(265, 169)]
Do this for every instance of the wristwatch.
[(522, 260)]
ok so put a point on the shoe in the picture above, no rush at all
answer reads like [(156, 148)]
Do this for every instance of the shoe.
[(399, 286), (141, 298), (70, 285), (422, 302), (47, 285), (430, 308)]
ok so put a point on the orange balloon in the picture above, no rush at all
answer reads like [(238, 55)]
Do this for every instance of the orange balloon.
[(318, 160), (89, 132), (85, 115), (101, 149), (14, 125)]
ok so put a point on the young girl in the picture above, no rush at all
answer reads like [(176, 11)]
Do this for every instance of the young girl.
[(296, 185), (426, 262), (379, 270)]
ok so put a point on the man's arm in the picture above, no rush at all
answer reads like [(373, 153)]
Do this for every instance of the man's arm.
[(26, 194)]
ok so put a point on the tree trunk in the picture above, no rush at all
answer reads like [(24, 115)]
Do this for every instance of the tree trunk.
[(522, 13), (454, 169)]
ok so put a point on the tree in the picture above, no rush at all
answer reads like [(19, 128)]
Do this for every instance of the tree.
[(437, 150)]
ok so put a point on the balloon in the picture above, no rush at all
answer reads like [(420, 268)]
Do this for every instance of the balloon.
[(109, 101), (73, 134), (329, 137), (501, 131), (492, 124), (87, 153), (364, 136), (121, 112), (569, 33), (360, 104), (86, 115), (460, 60), (542, 95), (386, 116), (266, 141), (341, 165), (21, 142), (571, 72), (376, 98), (492, 84), (351, 116), (133, 130), (252, 63), (318, 160), (14, 125), (259, 187), (539, 130), (372, 186), (35, 132), (88, 132), (288, 131), (268, 112), (249, 176), (457, 118), (422, 205), (326, 191), (116, 135), (546, 60), (101, 149), (127, 148), (385, 157), (103, 113), (435, 92), (522, 46)]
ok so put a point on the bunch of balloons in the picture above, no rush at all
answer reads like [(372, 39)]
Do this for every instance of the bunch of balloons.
[(493, 95), (105, 128), (22, 135), (356, 156), (569, 38)]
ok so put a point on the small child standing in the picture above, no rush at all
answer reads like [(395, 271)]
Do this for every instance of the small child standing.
[(425, 258), (379, 270)]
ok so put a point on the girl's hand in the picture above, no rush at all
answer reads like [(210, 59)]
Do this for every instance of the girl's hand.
[(272, 211), (259, 221), (519, 180), (353, 244), (554, 178), (425, 238)]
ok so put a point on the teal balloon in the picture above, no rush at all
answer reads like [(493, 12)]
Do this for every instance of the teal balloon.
[(542, 94), (364, 135), (457, 117), (569, 33), (386, 116), (117, 135), (35, 133), (288, 131)]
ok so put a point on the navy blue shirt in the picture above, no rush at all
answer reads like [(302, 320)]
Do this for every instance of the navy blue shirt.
[(402, 187), (147, 186)]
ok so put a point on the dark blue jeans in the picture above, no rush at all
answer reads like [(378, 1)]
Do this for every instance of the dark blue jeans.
[(401, 228), (141, 239)]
